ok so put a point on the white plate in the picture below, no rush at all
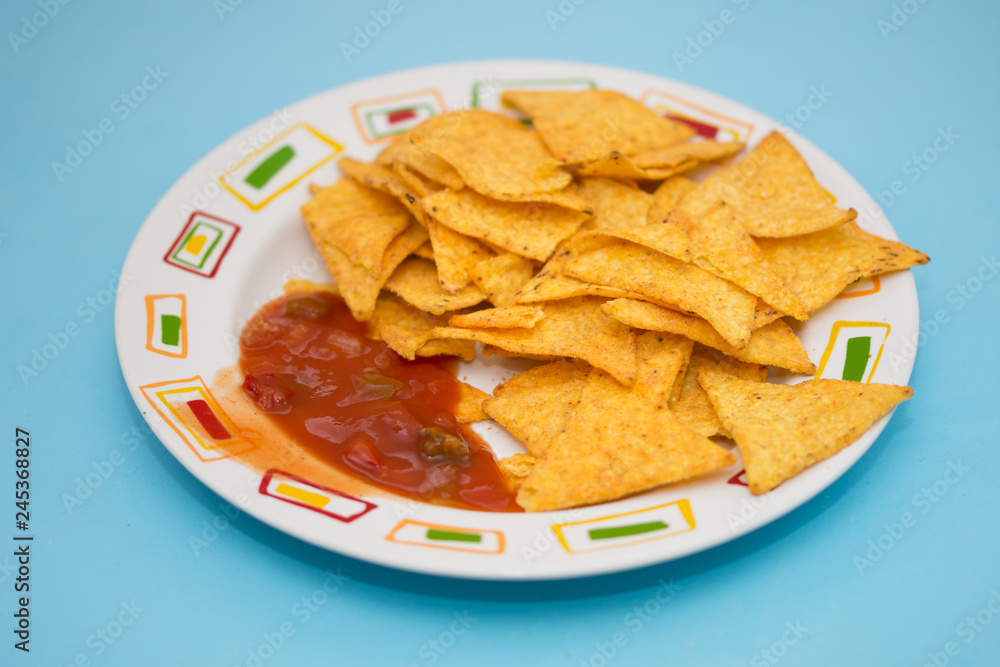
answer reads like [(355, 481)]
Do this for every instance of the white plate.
[(215, 248)]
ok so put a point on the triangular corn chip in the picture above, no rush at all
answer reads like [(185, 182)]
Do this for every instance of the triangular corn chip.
[(818, 266), (575, 328), (416, 281), (781, 430), (551, 283), (506, 317), (385, 180), (615, 204), (581, 127), (771, 192), (772, 345), (530, 230), (455, 255), (494, 154), (660, 356), (515, 468), (616, 443), (635, 268), (667, 196), (691, 404), (502, 276), (536, 404), (428, 165), (692, 151)]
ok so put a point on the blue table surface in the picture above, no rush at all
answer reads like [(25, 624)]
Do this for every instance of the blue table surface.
[(115, 579)]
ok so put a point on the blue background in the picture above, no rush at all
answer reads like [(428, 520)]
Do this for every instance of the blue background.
[(128, 543)]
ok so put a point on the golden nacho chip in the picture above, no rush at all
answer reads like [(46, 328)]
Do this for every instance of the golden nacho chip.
[(470, 403), (616, 443), (781, 430), (818, 266), (574, 328), (691, 404), (667, 196), (661, 360), (502, 276), (300, 286), (615, 204), (717, 243), (535, 405), (416, 281), (772, 345), (530, 230), (697, 152), (407, 330), (515, 468), (506, 317), (771, 192), (426, 251), (494, 154), (617, 165), (385, 180), (582, 127), (490, 350), (688, 288), (420, 186), (428, 165), (455, 255), (359, 286), (435, 347), (551, 283)]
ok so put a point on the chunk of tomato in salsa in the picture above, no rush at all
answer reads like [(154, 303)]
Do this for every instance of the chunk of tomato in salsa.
[(361, 408)]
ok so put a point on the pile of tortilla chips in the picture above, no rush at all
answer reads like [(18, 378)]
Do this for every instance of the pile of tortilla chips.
[(656, 301)]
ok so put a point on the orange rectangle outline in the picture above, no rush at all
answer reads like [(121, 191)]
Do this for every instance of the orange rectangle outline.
[(684, 505), (501, 542), (150, 311), (874, 290), (356, 115), (322, 137), (835, 332), (208, 399), (740, 123)]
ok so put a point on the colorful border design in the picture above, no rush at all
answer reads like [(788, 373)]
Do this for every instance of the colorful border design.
[(208, 416), (688, 112), (874, 289), (739, 479), (151, 310), (572, 84), (268, 148), (451, 538), (659, 520), (329, 502), (362, 121), (216, 259), (835, 336)]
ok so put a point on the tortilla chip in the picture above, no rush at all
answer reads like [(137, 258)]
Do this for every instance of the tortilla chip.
[(490, 350), (416, 281), (494, 154), (426, 251), (502, 276), (515, 468), (667, 196), (616, 443), (435, 347), (428, 165), (632, 267), (573, 328), (771, 192), (455, 255), (615, 204), (300, 286), (617, 165), (415, 183), (772, 345), (470, 403), (507, 317), (582, 127), (551, 283), (661, 360), (530, 230), (359, 286), (357, 219), (697, 152), (535, 405), (691, 405), (818, 266), (717, 243), (385, 180), (781, 430)]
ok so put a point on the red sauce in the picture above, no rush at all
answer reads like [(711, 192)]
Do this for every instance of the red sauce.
[(361, 408)]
